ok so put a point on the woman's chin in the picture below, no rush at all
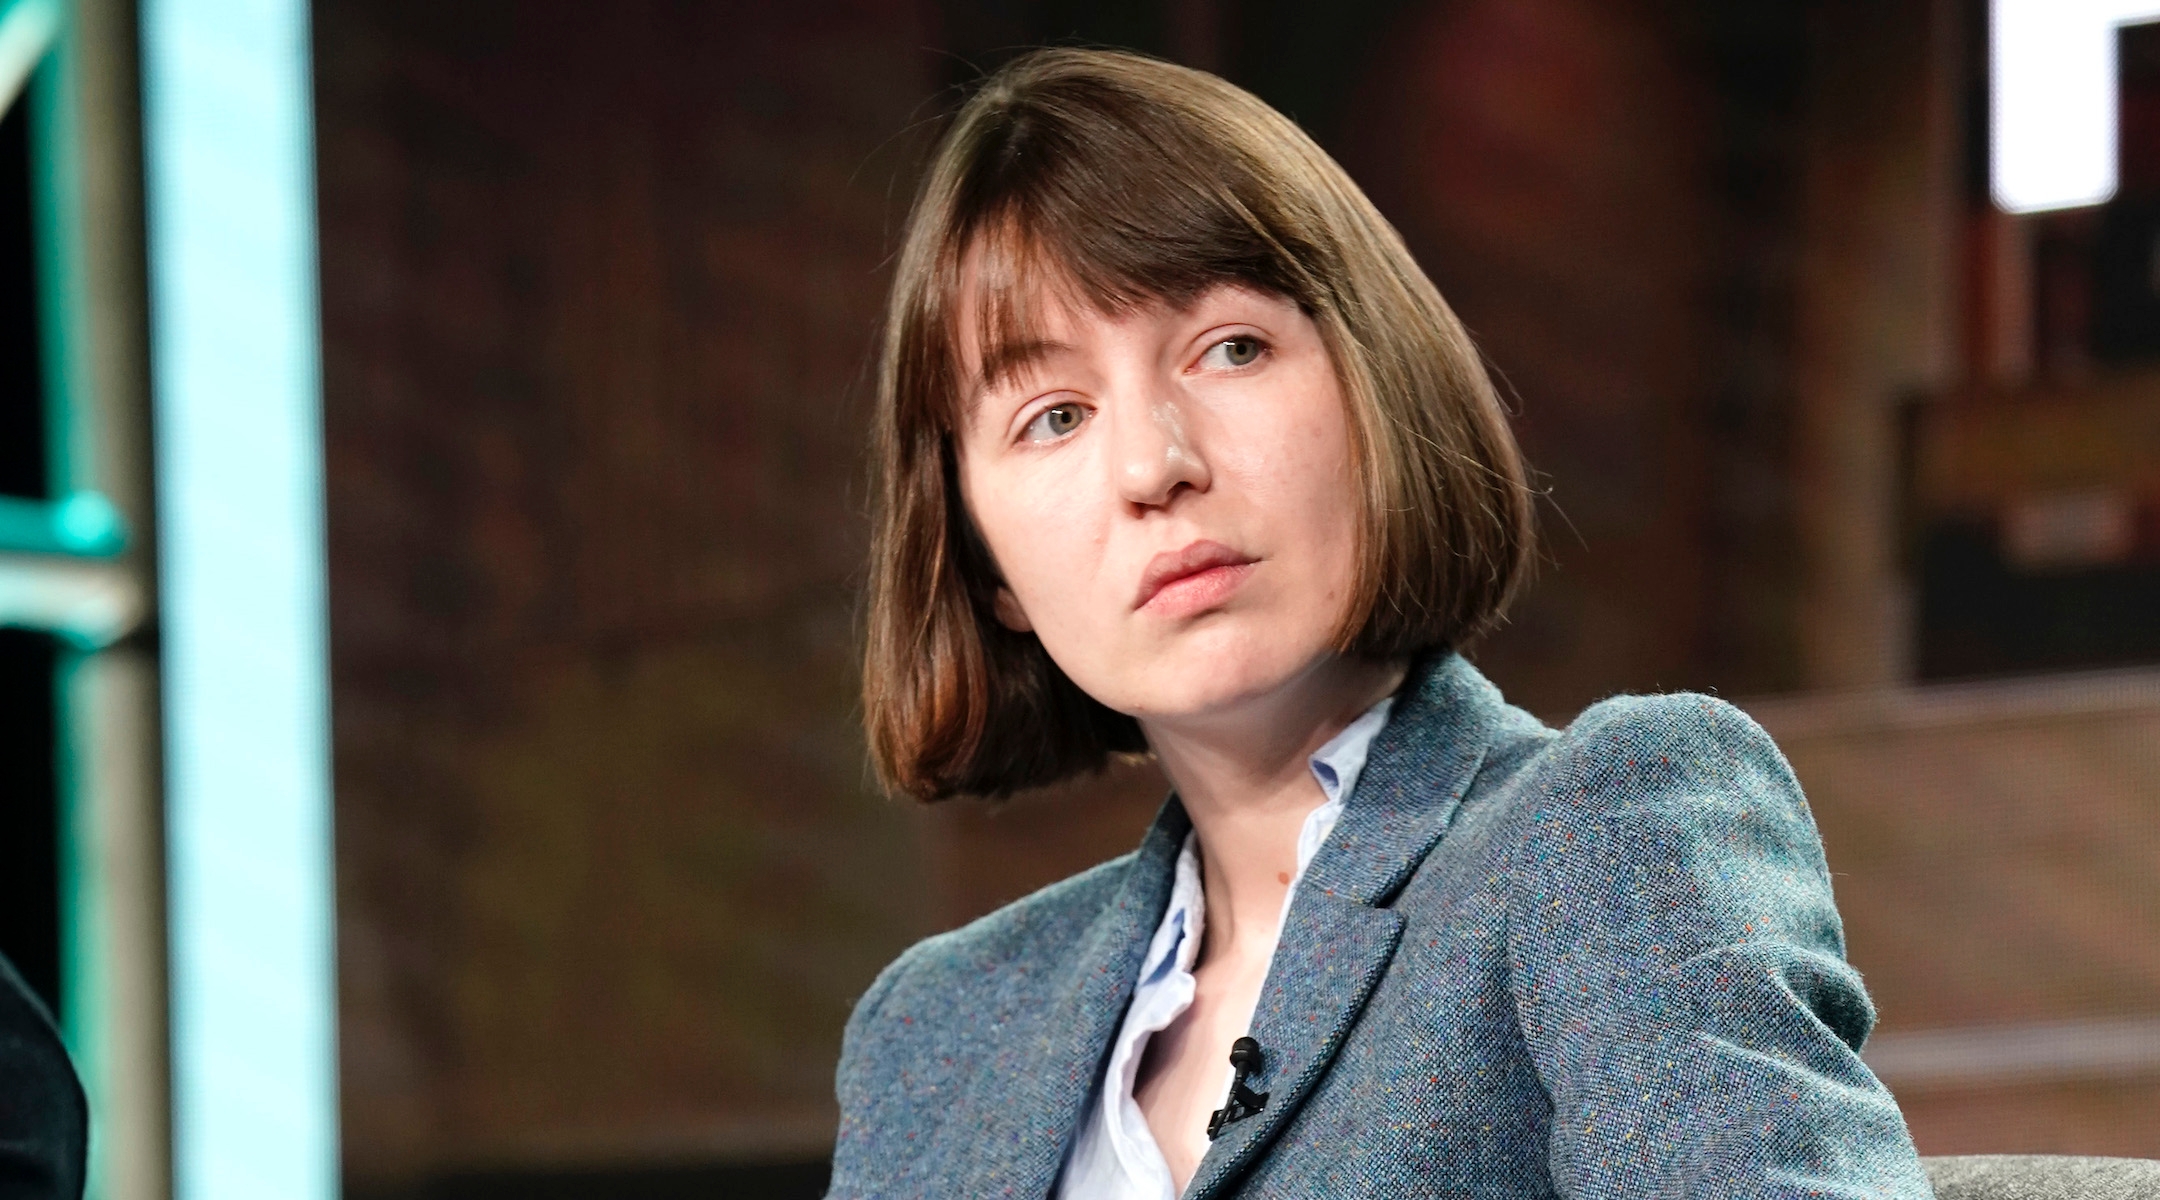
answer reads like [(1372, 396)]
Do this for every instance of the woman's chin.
[(1214, 678)]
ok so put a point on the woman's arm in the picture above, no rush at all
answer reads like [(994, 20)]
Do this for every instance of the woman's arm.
[(1679, 974)]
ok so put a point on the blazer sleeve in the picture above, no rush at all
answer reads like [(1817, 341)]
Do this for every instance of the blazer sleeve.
[(1678, 969), (43, 1118)]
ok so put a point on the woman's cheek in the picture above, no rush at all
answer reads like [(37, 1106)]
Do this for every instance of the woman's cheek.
[(1044, 549)]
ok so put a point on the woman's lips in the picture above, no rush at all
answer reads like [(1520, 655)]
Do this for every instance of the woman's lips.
[(1184, 582)]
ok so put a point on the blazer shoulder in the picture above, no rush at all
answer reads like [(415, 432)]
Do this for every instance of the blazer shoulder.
[(1037, 928), (1674, 947), (1679, 784), (1647, 749), (916, 1038), (1664, 717), (1682, 797)]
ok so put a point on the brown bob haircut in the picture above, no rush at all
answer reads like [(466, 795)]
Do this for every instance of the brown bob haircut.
[(1126, 181)]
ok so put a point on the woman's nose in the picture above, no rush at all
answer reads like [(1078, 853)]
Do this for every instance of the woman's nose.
[(1155, 452)]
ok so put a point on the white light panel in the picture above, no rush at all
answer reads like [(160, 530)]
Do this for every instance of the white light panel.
[(2052, 90), (235, 372)]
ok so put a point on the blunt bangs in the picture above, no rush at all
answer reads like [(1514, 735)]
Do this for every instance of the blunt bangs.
[(1106, 206)]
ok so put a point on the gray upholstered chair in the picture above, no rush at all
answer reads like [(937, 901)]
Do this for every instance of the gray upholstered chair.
[(2043, 1177)]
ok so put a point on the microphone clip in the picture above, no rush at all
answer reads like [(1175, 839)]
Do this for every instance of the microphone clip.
[(1245, 1059)]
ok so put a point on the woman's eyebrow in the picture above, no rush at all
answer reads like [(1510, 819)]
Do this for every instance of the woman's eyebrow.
[(1004, 362)]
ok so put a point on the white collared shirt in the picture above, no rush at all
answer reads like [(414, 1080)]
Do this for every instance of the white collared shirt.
[(1114, 1156)]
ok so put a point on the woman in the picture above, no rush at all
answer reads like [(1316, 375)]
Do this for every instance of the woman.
[(1182, 454)]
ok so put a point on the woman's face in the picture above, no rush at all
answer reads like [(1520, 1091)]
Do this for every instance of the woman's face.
[(1168, 495)]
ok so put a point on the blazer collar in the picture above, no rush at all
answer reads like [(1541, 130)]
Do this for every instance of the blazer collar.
[(1025, 1144), (1340, 935), (1445, 720), (1335, 943)]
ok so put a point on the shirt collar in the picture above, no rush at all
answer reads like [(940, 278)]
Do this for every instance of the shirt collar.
[(1184, 915), (1336, 766)]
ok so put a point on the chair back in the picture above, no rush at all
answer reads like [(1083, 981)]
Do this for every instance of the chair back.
[(2043, 1177)]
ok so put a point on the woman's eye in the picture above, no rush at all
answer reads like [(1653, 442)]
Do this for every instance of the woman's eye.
[(1234, 352), (1054, 422)]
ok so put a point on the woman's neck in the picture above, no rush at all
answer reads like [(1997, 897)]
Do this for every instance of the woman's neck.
[(1244, 780)]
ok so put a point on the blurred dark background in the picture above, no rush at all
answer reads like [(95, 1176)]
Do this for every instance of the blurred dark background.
[(1821, 428)]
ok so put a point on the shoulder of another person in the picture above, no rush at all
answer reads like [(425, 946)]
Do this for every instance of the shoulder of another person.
[(43, 1117)]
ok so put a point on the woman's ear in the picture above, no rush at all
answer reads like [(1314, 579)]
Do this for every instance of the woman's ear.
[(1009, 612)]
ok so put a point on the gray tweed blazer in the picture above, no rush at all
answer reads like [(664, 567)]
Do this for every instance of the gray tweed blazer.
[(1602, 962)]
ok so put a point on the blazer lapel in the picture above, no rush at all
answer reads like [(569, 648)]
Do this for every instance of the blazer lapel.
[(1086, 1001), (1329, 958), (1340, 934)]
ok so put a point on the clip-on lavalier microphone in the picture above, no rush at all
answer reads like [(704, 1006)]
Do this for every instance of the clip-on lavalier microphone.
[(1244, 1102)]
